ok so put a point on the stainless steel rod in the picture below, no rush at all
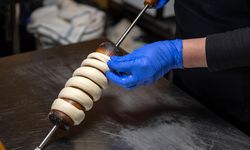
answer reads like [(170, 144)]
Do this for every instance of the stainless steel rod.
[(131, 26), (45, 141)]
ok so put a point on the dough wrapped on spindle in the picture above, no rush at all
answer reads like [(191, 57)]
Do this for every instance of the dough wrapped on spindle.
[(84, 88)]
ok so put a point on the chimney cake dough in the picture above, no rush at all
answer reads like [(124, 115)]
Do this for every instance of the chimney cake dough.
[(85, 87)]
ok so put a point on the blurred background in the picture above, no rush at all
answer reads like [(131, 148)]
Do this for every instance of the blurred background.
[(28, 25)]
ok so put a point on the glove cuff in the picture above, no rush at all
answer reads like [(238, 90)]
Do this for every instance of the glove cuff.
[(161, 3), (179, 55), (176, 47)]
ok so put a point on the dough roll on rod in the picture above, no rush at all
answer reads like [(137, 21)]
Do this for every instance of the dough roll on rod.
[(83, 89), (86, 85)]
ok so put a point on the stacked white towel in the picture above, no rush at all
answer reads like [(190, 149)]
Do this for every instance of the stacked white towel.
[(65, 22)]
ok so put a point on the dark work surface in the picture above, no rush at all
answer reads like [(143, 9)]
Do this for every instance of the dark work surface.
[(158, 116)]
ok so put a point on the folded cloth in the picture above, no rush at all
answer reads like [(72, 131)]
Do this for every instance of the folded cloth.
[(42, 13), (66, 22), (58, 30)]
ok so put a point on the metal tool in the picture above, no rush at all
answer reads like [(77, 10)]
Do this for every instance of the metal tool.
[(45, 141), (131, 26)]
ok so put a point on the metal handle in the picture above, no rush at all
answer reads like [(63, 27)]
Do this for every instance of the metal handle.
[(151, 3)]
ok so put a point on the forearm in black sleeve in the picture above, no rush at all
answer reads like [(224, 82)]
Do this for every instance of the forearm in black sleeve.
[(228, 50)]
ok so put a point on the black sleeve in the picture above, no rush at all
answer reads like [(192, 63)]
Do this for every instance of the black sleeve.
[(228, 50)]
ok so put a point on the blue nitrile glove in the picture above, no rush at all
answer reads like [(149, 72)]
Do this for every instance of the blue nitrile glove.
[(161, 3), (146, 64)]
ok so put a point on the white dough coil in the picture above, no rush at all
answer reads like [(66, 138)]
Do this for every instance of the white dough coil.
[(85, 87)]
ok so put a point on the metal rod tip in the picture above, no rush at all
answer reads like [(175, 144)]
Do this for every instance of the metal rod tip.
[(45, 141)]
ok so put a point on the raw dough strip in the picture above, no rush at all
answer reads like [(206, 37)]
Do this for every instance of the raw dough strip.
[(80, 82), (75, 114), (92, 74), (99, 56), (84, 87), (96, 64), (77, 96)]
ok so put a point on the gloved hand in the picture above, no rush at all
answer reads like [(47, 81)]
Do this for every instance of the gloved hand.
[(146, 64), (161, 3)]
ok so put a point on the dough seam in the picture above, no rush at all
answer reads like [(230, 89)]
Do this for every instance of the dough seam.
[(100, 56), (92, 74), (91, 97), (89, 79), (95, 63), (95, 68), (65, 99)]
